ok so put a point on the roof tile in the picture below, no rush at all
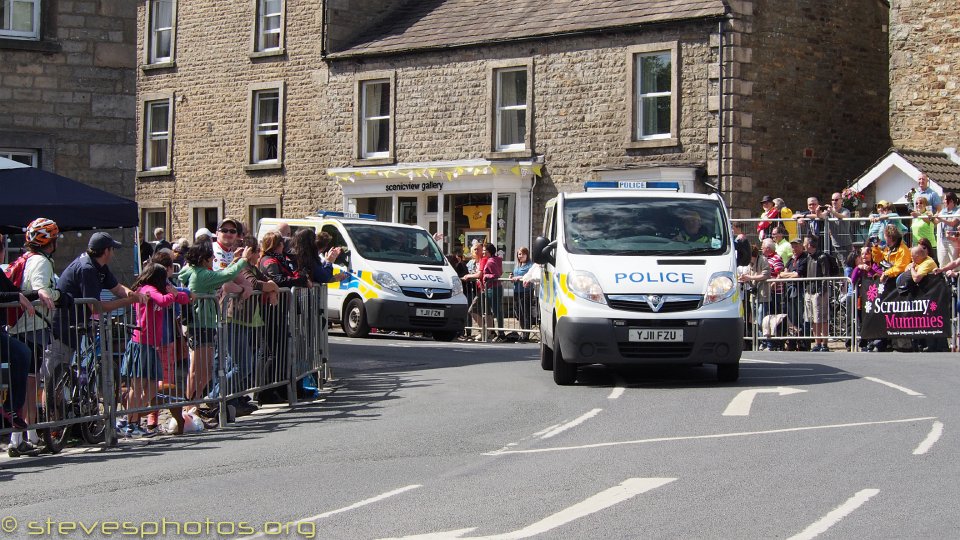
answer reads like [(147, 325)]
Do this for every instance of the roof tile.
[(423, 24)]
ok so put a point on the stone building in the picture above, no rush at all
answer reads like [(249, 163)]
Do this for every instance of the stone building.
[(924, 83), (67, 94), (282, 107)]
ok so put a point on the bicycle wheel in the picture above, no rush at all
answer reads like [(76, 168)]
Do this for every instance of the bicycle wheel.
[(92, 432), (57, 406)]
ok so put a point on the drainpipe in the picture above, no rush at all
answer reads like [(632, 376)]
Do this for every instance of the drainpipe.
[(720, 115)]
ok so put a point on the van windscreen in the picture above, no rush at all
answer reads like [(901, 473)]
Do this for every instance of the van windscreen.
[(656, 226), (376, 242)]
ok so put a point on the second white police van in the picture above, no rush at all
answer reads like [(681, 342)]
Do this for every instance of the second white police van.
[(399, 278), (638, 276)]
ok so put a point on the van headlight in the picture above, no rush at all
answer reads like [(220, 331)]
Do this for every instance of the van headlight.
[(585, 285), (457, 286), (386, 280), (720, 287)]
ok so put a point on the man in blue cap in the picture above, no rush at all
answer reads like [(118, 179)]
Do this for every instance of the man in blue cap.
[(85, 277)]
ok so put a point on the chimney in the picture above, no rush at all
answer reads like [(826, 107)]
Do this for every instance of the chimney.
[(951, 153)]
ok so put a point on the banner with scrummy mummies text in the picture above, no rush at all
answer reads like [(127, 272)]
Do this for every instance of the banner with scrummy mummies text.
[(922, 313)]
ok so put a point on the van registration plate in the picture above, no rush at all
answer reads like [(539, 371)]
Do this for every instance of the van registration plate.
[(423, 312), (646, 334)]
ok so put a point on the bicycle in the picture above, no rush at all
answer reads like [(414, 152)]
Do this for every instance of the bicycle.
[(74, 390)]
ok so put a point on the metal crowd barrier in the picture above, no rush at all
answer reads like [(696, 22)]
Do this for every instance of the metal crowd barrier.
[(785, 322), (240, 346), (503, 310), (844, 235)]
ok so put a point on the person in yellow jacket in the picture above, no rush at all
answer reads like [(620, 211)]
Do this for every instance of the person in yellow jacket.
[(786, 218), (896, 254)]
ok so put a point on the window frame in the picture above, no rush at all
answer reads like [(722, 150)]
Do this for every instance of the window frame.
[(204, 204), (154, 207), (257, 204), (256, 40), (633, 96), (147, 100), (32, 153), (150, 61), (360, 119), (494, 71), (253, 132), (33, 35)]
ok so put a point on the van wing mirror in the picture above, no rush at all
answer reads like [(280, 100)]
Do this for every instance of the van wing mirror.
[(544, 251)]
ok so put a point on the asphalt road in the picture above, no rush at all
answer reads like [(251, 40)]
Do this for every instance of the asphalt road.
[(455, 440)]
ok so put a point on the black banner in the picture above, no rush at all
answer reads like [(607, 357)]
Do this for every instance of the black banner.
[(887, 313)]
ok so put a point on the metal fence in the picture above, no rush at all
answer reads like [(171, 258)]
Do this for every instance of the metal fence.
[(96, 366), (839, 237), (508, 311)]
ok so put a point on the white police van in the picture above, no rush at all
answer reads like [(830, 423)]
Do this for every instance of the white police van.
[(399, 277), (638, 273)]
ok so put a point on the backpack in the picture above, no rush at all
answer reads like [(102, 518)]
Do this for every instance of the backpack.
[(15, 275)]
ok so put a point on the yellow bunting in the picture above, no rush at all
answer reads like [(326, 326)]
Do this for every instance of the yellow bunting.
[(516, 170), (537, 169), (433, 172), (449, 175)]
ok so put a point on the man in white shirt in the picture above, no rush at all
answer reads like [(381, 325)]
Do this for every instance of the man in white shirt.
[(228, 232)]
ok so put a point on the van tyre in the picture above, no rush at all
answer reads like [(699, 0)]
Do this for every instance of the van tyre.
[(546, 357), (728, 372), (564, 373), (355, 320)]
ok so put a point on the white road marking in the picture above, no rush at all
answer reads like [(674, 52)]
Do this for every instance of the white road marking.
[(836, 515), (609, 497), (906, 391), (752, 361), (712, 436), (573, 423), (741, 403), (617, 392), (353, 506), (935, 432)]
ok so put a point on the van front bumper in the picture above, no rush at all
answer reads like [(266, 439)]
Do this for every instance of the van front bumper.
[(601, 341), (394, 315)]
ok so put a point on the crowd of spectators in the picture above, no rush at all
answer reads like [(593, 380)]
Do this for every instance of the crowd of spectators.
[(827, 243), (173, 325)]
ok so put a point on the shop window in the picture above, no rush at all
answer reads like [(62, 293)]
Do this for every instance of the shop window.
[(382, 207)]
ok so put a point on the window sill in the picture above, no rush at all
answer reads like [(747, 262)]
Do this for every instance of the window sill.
[(255, 55), (373, 162), (510, 154), (652, 143), (253, 167), (44, 46), (154, 173), (158, 65)]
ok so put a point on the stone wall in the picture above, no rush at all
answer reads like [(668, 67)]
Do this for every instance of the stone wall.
[(924, 84), (70, 95), (809, 82)]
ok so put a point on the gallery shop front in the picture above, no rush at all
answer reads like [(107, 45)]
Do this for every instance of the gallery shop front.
[(467, 200)]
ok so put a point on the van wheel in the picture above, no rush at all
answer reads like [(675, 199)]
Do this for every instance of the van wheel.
[(728, 372), (546, 357), (564, 373), (444, 336), (355, 323)]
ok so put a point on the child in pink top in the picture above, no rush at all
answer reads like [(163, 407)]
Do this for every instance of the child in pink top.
[(141, 367)]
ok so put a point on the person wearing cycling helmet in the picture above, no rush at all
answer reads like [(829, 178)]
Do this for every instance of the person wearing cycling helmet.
[(38, 271)]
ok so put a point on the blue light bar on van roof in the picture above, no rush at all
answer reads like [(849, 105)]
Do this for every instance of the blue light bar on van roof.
[(631, 185), (345, 215)]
